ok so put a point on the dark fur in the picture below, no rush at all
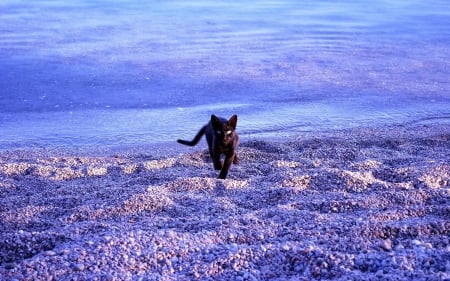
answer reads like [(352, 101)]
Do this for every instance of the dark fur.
[(222, 139)]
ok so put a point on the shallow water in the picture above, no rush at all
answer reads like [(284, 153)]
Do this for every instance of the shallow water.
[(106, 73)]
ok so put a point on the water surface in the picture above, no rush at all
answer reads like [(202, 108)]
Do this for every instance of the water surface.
[(106, 73)]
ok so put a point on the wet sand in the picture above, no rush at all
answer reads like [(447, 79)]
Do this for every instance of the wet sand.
[(360, 204)]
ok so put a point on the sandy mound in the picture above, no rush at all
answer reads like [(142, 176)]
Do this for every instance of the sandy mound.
[(362, 204)]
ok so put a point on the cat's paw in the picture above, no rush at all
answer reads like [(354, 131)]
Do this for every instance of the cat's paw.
[(235, 160), (223, 175)]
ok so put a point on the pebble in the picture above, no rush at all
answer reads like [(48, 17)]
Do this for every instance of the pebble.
[(386, 245), (261, 230), (49, 253), (286, 247), (416, 242), (77, 266), (107, 277)]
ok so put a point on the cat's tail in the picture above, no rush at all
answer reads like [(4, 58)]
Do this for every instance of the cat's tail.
[(196, 139)]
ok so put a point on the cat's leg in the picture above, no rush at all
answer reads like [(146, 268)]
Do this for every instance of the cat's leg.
[(215, 157), (216, 161), (226, 166)]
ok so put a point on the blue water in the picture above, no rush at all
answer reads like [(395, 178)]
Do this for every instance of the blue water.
[(112, 73)]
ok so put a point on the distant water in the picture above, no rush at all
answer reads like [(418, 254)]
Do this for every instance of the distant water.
[(114, 73)]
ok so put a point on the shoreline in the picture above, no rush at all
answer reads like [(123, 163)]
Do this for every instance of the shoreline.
[(364, 203), (172, 148)]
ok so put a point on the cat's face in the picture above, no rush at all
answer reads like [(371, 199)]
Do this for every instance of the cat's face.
[(225, 134), (224, 131)]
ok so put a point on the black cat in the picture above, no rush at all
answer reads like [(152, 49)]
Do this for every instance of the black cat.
[(222, 139)]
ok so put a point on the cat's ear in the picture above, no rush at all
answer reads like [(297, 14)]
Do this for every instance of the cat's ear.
[(215, 121), (233, 121)]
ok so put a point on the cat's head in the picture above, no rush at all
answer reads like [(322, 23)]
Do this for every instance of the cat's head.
[(224, 130)]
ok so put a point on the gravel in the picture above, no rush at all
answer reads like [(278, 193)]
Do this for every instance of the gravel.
[(361, 204)]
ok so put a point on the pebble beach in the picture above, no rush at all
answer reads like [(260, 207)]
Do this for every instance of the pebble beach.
[(359, 204)]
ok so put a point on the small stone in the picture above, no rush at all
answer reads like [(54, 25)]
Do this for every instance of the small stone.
[(174, 259), (108, 277), (386, 245), (49, 253), (64, 252), (9, 266), (107, 238), (243, 221), (416, 242), (77, 266)]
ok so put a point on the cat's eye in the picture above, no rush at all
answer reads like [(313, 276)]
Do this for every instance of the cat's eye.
[(229, 132), (219, 132)]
